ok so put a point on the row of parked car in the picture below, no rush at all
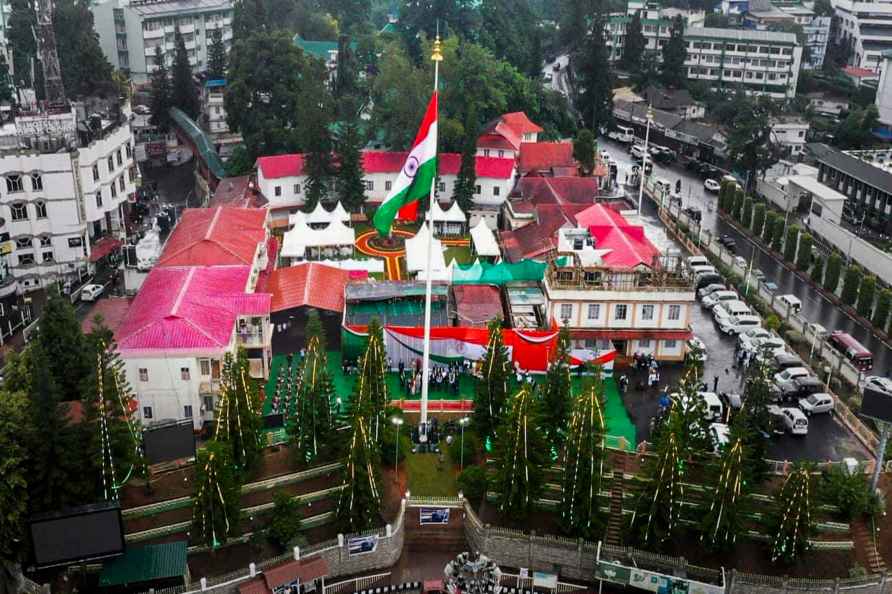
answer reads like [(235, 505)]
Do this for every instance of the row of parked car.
[(796, 392)]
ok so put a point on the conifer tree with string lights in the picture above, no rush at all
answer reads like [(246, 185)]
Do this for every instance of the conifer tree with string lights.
[(520, 455), (792, 522), (492, 388), (238, 411), (359, 503), (370, 390), (215, 502), (584, 463), (556, 396), (310, 419), (732, 480)]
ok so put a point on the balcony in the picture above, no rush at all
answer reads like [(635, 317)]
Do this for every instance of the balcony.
[(153, 34), (207, 388), (666, 276), (187, 29), (251, 337)]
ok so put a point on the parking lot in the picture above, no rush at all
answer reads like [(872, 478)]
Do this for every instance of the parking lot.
[(827, 438)]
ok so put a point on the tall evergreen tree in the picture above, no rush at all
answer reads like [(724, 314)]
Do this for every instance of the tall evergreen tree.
[(595, 100), (790, 243), (777, 239), (792, 522), (758, 219), (520, 456), (675, 52), (216, 500), (62, 341), (359, 503), (732, 484), (771, 220), (832, 272), (238, 412), (881, 311), (492, 388), (466, 182), (7, 87), (583, 466), (21, 27), (160, 101), (311, 420), (804, 253), (371, 387), (216, 55), (351, 186), (866, 295), (317, 156), (556, 395), (817, 270), (635, 44), (746, 218), (85, 69), (585, 150), (183, 93), (851, 282), (14, 492)]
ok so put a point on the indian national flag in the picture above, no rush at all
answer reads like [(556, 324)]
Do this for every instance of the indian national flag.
[(417, 176)]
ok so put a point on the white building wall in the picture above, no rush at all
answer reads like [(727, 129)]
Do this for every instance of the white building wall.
[(165, 391), (884, 93)]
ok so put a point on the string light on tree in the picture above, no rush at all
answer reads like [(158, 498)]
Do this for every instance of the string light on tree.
[(492, 391), (659, 504), (359, 503), (520, 456), (238, 411), (310, 418), (793, 518), (217, 492), (724, 519)]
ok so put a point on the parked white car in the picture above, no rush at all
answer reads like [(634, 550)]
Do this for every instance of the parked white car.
[(710, 185), (877, 382), (770, 343), (788, 375), (745, 338), (730, 308), (697, 261), (719, 297), (740, 262), (91, 292), (820, 402), (737, 324), (795, 420), (710, 289)]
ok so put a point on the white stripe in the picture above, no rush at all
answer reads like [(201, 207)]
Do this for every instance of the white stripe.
[(422, 152)]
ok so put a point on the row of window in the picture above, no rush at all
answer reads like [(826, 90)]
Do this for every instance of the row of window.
[(207, 367), (113, 188), (604, 343), (752, 49), (18, 211), (620, 311), (369, 186), (110, 161), (709, 59), (15, 182), (748, 75), (31, 259)]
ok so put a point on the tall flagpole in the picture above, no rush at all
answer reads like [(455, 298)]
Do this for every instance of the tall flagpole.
[(436, 58)]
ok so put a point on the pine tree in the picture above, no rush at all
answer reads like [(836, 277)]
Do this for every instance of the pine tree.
[(14, 477), (62, 340), (672, 69), (520, 457), (732, 484), (238, 412), (831, 274), (7, 88), (737, 208), (492, 389), (584, 459), (183, 93), (216, 55), (635, 44), (317, 158), (161, 92), (778, 238), (850, 284), (595, 101), (758, 219), (351, 186), (768, 231), (556, 394), (691, 417), (466, 182), (792, 523), (817, 269), (790, 243), (753, 422), (584, 150), (371, 387), (359, 503), (747, 217), (215, 503), (311, 419), (866, 295)]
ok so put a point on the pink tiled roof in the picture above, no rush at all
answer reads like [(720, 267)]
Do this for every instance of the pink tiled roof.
[(539, 156), (281, 166), (521, 124), (311, 284), (629, 245), (188, 310), (215, 236)]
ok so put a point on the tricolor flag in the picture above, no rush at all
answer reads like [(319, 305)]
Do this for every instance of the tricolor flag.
[(416, 179)]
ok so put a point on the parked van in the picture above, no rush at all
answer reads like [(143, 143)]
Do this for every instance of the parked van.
[(714, 406), (731, 309), (784, 361), (622, 134), (853, 350), (738, 324), (795, 420), (637, 152), (707, 279), (662, 186), (791, 302), (816, 403), (697, 261)]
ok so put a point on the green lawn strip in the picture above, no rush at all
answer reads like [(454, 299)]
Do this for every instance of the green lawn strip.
[(430, 478)]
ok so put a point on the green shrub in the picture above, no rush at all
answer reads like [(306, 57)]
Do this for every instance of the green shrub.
[(832, 272), (472, 446), (851, 282), (881, 311), (758, 219), (795, 338), (817, 270), (772, 323), (472, 482), (790, 243), (746, 218), (849, 492), (804, 253), (388, 444), (284, 523), (777, 239), (866, 294)]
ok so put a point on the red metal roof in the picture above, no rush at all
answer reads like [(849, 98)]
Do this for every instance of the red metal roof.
[(272, 253), (254, 586), (510, 127), (543, 156), (476, 305), (558, 190), (113, 310), (281, 166), (103, 247), (188, 309), (521, 124), (535, 239), (236, 192), (215, 237), (629, 245), (495, 141), (304, 570), (311, 284)]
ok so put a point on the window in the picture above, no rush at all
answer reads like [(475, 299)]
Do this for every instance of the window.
[(566, 311), (495, 190), (674, 312), (46, 241), (40, 209), (19, 211), (670, 344), (184, 374), (187, 411), (114, 189), (74, 242), (95, 172), (485, 152), (647, 312), (118, 155), (441, 186), (46, 256), (208, 402), (143, 374), (111, 164), (99, 199), (369, 185), (387, 186), (14, 183), (26, 260), (644, 343), (147, 412), (477, 189), (621, 311), (121, 183), (501, 154), (296, 189), (277, 191), (594, 311), (204, 366), (23, 243), (128, 150), (36, 182)]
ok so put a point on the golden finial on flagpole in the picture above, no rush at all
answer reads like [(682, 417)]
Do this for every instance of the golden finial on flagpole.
[(437, 55)]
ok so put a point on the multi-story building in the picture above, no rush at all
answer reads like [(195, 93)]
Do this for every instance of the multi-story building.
[(214, 118), (884, 90), (817, 33), (130, 30), (656, 22), (5, 10), (616, 289), (867, 28), (64, 190), (762, 62), (282, 180), (789, 133)]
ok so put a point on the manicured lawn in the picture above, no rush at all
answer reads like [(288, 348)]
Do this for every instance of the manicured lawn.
[(429, 477), (462, 255)]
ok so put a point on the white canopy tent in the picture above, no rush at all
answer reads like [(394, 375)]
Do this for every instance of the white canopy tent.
[(449, 222), (338, 213), (416, 253), (298, 218), (302, 241), (370, 265), (319, 216), (485, 243)]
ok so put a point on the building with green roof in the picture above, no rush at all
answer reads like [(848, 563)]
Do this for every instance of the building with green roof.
[(154, 565)]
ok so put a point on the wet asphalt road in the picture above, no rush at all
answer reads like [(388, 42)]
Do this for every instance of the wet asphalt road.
[(815, 306), (826, 439)]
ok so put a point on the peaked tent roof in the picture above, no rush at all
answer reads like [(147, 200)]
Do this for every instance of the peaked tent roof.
[(416, 252), (338, 212), (455, 213), (319, 215), (485, 243), (215, 237), (300, 237), (183, 309), (310, 284)]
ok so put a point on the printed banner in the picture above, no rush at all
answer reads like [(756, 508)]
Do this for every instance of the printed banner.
[(360, 545), (433, 515)]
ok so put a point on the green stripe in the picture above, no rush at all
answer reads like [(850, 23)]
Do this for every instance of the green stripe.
[(419, 188)]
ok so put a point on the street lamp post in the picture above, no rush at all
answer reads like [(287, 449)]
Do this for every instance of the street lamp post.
[(650, 117), (462, 422), (396, 456)]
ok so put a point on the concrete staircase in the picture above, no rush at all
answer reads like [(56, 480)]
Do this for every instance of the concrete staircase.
[(615, 522), (443, 538), (864, 541)]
